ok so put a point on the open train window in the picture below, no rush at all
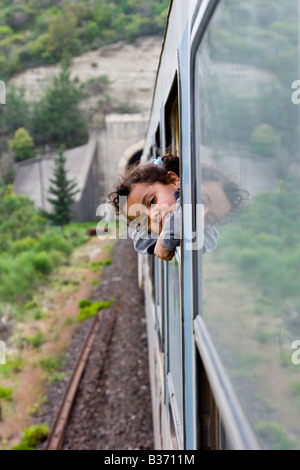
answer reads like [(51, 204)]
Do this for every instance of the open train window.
[(172, 290), (157, 144), (172, 118), (247, 125)]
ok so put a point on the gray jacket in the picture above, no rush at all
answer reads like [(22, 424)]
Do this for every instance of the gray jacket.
[(144, 242)]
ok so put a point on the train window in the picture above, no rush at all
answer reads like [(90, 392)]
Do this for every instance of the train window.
[(159, 299), (246, 111), (172, 117), (173, 320), (157, 143), (174, 338), (208, 418)]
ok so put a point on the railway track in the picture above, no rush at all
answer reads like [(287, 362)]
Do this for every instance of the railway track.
[(103, 324)]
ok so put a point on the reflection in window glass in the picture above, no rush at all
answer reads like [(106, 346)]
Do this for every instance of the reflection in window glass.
[(247, 124)]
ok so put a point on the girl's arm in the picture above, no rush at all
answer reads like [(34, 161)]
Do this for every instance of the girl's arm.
[(161, 251)]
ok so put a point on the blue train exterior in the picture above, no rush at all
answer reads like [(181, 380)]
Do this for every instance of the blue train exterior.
[(224, 327)]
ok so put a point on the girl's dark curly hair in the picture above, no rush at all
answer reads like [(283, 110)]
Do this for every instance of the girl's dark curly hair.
[(236, 196), (152, 173), (146, 173)]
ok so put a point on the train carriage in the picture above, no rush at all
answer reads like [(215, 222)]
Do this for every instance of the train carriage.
[(224, 327)]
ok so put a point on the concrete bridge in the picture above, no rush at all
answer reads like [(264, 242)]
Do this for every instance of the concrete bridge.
[(94, 166)]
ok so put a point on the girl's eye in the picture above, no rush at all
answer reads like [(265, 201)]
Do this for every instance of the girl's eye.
[(152, 201)]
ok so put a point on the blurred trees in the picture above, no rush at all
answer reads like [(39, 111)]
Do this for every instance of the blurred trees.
[(53, 120), (40, 32), (16, 111), (265, 245)]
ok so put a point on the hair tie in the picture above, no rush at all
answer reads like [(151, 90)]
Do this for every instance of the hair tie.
[(157, 161)]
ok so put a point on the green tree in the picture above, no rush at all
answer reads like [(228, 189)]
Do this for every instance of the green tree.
[(63, 191), (61, 34), (264, 140), (16, 111), (22, 144), (56, 117)]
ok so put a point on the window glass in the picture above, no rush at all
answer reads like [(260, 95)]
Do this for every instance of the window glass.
[(159, 300), (175, 339), (247, 125)]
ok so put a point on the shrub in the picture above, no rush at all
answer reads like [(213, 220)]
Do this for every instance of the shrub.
[(24, 244), (92, 310), (22, 144), (84, 303), (5, 393), (42, 262), (32, 436), (52, 240)]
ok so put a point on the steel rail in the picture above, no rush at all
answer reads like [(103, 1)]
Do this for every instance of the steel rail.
[(56, 436)]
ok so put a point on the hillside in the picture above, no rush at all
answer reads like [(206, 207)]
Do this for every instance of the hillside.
[(129, 71), (43, 32)]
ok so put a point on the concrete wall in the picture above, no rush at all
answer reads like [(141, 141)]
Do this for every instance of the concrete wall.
[(95, 166), (33, 179), (122, 136)]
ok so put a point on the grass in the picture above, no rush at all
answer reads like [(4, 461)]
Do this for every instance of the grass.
[(36, 341), (12, 366), (51, 364), (35, 409), (96, 265), (89, 309)]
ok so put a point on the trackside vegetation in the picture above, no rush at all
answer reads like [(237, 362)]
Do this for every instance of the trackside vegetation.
[(90, 309), (30, 248), (33, 436)]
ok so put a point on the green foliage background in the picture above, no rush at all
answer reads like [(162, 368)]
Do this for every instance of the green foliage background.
[(29, 247), (37, 32)]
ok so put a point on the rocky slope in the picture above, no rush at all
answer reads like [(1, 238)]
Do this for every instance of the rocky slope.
[(129, 68)]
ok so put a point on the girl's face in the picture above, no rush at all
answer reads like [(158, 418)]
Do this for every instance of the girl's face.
[(216, 204), (155, 201)]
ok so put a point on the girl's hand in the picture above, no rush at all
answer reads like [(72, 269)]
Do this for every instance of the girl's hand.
[(161, 252)]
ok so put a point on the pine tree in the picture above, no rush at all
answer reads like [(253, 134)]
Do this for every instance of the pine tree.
[(64, 192), (57, 118)]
